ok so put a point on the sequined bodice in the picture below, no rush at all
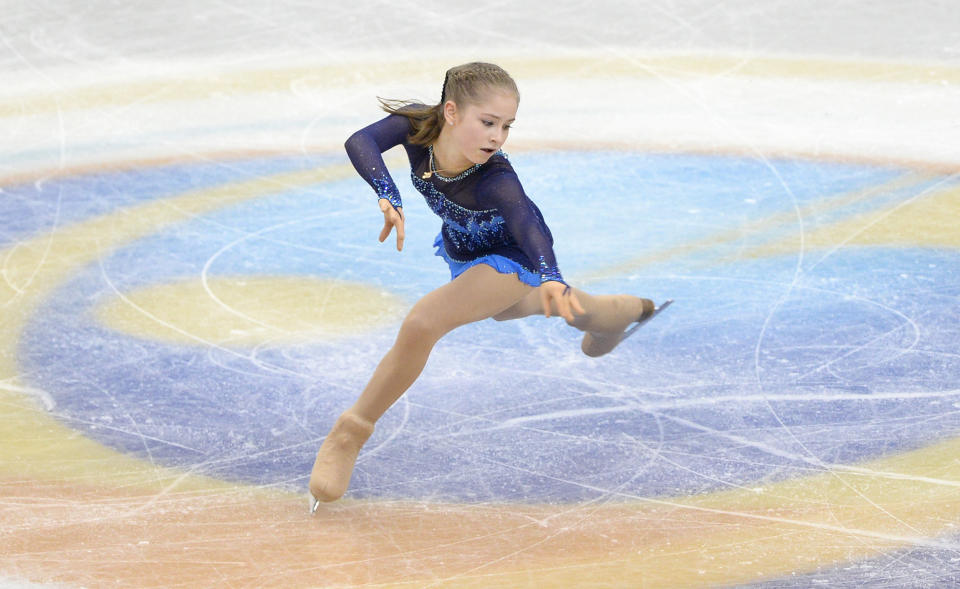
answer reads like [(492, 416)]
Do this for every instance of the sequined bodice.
[(467, 229), (484, 212)]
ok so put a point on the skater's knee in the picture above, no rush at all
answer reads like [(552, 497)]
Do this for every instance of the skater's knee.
[(420, 326)]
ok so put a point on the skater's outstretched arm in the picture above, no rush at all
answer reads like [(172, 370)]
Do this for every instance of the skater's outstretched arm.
[(365, 148)]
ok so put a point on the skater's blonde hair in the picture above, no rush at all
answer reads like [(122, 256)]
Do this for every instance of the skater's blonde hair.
[(464, 84)]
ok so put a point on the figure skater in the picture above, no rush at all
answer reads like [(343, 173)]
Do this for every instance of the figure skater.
[(493, 237)]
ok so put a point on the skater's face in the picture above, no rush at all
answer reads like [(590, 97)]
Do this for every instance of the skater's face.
[(480, 129)]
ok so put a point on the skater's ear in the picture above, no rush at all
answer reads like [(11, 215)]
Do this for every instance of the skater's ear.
[(450, 112)]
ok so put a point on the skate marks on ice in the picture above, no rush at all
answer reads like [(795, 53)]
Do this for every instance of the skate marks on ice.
[(799, 412), (871, 505), (147, 536)]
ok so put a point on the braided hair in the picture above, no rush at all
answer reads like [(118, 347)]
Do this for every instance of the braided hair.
[(463, 84)]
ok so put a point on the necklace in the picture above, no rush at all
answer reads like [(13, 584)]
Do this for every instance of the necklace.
[(433, 170)]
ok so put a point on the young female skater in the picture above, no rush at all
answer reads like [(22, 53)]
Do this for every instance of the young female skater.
[(493, 237)]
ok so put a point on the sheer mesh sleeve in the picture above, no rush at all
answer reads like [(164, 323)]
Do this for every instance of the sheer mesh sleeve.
[(503, 191), (365, 148)]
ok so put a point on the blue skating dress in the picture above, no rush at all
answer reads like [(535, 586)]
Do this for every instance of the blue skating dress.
[(487, 217)]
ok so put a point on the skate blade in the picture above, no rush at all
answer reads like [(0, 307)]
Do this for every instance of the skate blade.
[(314, 504), (639, 324)]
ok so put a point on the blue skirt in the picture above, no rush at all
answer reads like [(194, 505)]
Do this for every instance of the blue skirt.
[(501, 264)]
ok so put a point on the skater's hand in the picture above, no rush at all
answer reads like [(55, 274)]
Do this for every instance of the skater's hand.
[(565, 298), (392, 218)]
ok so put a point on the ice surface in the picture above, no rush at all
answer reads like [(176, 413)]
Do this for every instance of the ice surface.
[(789, 173)]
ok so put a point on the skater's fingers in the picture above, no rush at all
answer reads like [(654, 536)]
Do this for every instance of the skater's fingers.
[(575, 303), (401, 232), (563, 306), (555, 291), (387, 225), (545, 300), (392, 217)]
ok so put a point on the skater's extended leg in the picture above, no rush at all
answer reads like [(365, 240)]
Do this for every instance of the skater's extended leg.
[(479, 293), (603, 323)]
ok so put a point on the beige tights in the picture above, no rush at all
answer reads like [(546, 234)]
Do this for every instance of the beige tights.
[(479, 293)]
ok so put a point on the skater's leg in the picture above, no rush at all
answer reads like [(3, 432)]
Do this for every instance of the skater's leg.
[(603, 322), (603, 312), (479, 293)]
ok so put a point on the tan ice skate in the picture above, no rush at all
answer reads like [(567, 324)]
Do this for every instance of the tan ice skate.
[(336, 457), (597, 344)]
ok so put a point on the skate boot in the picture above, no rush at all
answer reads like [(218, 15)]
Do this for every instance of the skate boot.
[(596, 344), (336, 457)]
